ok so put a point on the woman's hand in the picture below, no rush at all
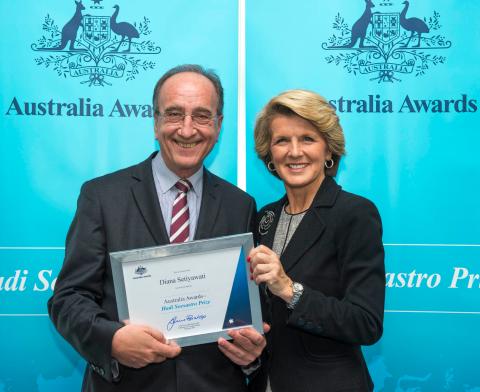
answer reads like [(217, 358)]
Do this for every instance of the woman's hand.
[(265, 267)]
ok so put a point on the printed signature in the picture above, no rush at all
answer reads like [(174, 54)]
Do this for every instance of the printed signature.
[(175, 320)]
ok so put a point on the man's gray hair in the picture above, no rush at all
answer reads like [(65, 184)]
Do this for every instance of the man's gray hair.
[(195, 68)]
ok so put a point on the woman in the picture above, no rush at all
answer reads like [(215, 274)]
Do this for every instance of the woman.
[(321, 259)]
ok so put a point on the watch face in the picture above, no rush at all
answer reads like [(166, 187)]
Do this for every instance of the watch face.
[(297, 287)]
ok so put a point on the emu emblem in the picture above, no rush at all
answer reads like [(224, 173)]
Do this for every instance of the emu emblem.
[(386, 45), (97, 49)]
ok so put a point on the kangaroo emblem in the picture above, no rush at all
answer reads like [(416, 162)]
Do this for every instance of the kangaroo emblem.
[(359, 29), (69, 31), (95, 55), (397, 43)]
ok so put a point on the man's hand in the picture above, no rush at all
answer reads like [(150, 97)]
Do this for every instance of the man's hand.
[(137, 346), (246, 347)]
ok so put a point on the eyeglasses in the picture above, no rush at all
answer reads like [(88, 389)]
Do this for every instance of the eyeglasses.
[(179, 118)]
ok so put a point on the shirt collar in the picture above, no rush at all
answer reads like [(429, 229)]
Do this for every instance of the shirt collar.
[(167, 179)]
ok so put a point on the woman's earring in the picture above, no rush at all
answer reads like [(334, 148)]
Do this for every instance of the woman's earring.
[(329, 163), (271, 166)]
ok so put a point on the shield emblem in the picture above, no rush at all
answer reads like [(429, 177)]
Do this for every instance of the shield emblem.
[(96, 30), (386, 27)]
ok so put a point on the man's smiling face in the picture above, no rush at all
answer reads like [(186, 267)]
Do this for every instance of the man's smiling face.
[(185, 144)]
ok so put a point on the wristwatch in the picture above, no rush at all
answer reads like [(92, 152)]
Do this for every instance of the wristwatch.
[(297, 289)]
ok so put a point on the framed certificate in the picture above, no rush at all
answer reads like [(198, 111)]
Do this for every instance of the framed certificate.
[(193, 292)]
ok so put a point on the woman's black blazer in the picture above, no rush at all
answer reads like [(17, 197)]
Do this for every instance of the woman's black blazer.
[(337, 254)]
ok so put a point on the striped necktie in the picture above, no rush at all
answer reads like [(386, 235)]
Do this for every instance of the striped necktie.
[(179, 226)]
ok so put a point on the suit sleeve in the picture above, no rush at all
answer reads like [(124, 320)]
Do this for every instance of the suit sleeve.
[(357, 317), (75, 305)]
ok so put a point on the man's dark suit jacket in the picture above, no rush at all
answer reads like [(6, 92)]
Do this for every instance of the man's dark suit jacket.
[(337, 254), (121, 211)]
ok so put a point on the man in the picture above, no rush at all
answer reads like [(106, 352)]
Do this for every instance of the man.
[(133, 208)]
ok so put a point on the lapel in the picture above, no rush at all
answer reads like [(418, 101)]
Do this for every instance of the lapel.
[(145, 195), (268, 222), (312, 225), (210, 208)]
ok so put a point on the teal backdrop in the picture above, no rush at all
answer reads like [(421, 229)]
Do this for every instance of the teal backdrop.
[(412, 154), (74, 107), (46, 157)]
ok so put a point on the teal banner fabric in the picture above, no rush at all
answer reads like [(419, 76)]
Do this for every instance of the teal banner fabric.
[(403, 78), (77, 83)]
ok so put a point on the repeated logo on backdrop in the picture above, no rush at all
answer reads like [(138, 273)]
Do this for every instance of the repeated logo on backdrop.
[(95, 46), (387, 45)]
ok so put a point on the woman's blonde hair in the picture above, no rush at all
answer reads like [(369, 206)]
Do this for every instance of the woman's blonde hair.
[(311, 107)]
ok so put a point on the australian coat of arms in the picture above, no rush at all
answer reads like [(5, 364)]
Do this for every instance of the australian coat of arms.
[(387, 44), (96, 48)]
